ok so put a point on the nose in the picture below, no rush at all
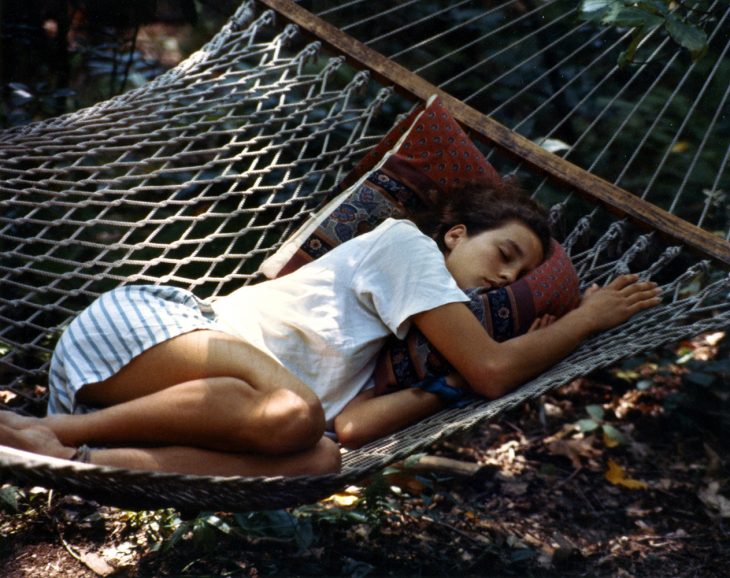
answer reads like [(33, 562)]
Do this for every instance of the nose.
[(508, 275)]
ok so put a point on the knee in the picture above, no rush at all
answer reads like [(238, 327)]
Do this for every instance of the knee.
[(326, 458), (292, 423)]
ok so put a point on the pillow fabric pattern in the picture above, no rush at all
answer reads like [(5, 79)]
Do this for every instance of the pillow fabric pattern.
[(436, 145), (384, 192), (386, 144)]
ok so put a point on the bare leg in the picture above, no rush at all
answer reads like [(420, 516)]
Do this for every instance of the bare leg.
[(205, 389), (194, 355), (205, 400), (218, 413), (322, 458)]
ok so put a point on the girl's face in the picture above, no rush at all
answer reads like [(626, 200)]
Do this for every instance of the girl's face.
[(493, 258)]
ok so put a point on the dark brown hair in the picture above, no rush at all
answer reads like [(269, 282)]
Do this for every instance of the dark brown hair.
[(483, 207)]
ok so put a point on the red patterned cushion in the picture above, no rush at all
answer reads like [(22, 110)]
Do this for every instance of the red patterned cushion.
[(386, 144), (425, 155), (437, 146), (554, 285)]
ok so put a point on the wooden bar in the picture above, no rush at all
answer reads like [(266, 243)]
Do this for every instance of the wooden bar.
[(615, 198)]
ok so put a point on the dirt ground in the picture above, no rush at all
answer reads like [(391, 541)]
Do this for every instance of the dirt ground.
[(642, 491)]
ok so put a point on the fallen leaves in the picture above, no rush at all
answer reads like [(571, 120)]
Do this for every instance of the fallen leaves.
[(714, 501), (508, 457), (575, 449), (344, 499), (617, 476), (701, 348)]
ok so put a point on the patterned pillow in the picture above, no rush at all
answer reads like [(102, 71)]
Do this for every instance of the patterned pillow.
[(425, 155), (437, 146), (552, 288)]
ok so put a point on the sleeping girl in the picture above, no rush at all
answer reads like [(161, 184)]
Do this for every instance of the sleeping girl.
[(153, 378)]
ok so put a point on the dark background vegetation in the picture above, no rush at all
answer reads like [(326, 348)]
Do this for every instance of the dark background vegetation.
[(542, 503), (58, 56)]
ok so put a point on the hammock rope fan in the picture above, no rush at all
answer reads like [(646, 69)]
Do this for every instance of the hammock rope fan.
[(196, 177)]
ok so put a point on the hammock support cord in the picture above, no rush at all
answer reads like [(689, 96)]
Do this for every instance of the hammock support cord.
[(508, 40), (196, 177)]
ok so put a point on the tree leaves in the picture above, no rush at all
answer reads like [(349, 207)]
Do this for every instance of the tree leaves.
[(596, 412), (619, 14), (686, 34), (644, 17)]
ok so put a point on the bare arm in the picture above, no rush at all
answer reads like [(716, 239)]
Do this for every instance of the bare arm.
[(369, 417), (493, 369)]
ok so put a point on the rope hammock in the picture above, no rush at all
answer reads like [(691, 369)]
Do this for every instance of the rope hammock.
[(198, 176)]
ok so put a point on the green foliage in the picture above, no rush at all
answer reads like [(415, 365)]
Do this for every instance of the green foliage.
[(10, 498), (278, 524), (297, 527), (682, 23), (376, 492), (25, 502), (703, 402), (157, 526), (595, 421), (696, 380)]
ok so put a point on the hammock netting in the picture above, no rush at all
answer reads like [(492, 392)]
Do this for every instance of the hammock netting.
[(193, 179)]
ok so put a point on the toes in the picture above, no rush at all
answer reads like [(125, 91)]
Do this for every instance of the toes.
[(38, 440), (13, 420)]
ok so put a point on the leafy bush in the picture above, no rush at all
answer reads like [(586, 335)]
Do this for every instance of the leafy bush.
[(681, 22)]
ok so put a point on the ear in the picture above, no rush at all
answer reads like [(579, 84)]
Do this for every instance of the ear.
[(454, 236)]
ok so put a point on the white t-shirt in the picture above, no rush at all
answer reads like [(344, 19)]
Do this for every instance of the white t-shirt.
[(327, 321)]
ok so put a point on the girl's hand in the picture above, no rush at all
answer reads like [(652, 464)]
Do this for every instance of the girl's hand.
[(541, 322), (612, 305)]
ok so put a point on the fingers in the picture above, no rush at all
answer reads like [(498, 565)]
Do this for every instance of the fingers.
[(541, 322), (644, 289), (618, 301), (623, 281), (638, 296), (629, 286), (644, 299), (590, 291)]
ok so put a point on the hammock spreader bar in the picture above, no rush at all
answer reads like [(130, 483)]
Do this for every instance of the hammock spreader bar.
[(615, 198)]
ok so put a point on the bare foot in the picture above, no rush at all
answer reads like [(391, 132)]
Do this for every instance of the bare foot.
[(15, 421), (34, 438)]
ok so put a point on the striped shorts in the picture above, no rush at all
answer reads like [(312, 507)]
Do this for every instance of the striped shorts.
[(113, 330)]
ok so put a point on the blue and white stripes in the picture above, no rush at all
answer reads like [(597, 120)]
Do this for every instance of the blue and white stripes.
[(113, 330)]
